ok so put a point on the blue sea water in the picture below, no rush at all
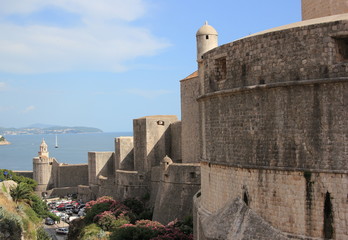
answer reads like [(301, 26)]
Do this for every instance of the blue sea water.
[(73, 148)]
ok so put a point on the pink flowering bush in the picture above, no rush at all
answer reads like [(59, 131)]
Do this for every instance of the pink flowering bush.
[(105, 220), (149, 230), (95, 210)]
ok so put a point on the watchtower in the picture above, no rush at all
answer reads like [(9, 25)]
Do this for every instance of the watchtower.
[(207, 39), (42, 167)]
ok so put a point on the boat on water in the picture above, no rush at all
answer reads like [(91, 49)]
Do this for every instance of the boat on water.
[(56, 146)]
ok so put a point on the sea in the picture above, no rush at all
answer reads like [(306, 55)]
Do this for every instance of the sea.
[(72, 148)]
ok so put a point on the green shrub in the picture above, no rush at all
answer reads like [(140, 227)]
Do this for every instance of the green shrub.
[(42, 234), (118, 223), (186, 226), (136, 206), (21, 192), (17, 178), (10, 225), (142, 230), (91, 232)]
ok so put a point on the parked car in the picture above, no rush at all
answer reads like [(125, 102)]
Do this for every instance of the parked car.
[(62, 230), (69, 212), (81, 212), (49, 221)]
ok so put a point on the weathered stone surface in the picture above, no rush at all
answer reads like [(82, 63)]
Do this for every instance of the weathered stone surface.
[(236, 221)]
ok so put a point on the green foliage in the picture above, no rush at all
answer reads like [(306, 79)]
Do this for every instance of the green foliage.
[(17, 178), (95, 210), (136, 206), (10, 225), (30, 213), (91, 232), (134, 233), (119, 222), (38, 206), (138, 209), (185, 226), (42, 234), (4, 189), (21, 192)]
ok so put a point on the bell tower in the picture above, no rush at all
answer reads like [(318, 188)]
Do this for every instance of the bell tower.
[(43, 149)]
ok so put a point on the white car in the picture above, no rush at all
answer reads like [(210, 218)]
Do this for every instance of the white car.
[(81, 213), (62, 230)]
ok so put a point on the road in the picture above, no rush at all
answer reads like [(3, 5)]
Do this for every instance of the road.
[(51, 230)]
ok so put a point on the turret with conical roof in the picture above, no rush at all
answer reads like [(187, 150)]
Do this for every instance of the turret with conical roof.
[(207, 39)]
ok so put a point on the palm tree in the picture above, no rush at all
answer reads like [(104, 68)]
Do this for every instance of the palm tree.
[(21, 192)]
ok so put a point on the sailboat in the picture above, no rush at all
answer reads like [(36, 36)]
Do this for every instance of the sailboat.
[(56, 146)]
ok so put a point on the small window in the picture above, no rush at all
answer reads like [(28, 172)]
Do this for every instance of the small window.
[(220, 68), (342, 48), (206, 36)]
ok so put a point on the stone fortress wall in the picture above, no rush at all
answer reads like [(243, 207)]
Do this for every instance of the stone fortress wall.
[(148, 165), (274, 133), (263, 134), (321, 8)]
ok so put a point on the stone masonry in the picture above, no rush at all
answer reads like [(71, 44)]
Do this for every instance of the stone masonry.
[(322, 8)]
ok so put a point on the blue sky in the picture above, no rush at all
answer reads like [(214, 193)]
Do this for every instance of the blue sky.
[(102, 63)]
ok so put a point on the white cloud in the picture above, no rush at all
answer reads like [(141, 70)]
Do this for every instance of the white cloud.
[(149, 94), (3, 86), (104, 41), (29, 109)]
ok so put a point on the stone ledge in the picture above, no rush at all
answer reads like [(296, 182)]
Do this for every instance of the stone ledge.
[(204, 161), (271, 85)]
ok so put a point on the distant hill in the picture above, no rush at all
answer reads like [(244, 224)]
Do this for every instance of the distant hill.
[(35, 129)]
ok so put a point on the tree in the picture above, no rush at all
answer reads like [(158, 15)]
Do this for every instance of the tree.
[(21, 193)]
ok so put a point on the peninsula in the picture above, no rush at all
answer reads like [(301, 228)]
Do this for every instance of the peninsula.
[(48, 130), (3, 141)]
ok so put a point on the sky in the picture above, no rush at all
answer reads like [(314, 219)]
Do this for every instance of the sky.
[(103, 63)]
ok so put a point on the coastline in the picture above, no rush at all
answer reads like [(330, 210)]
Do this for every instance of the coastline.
[(4, 143)]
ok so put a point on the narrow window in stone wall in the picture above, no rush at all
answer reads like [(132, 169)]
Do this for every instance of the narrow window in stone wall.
[(328, 217), (206, 36), (220, 69), (342, 48), (246, 198)]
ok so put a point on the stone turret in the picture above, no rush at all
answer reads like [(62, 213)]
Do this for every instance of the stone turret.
[(207, 39), (42, 168)]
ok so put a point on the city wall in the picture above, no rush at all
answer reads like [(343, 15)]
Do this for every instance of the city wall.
[(274, 126), (291, 201), (178, 183), (72, 175), (190, 90), (281, 101), (322, 8)]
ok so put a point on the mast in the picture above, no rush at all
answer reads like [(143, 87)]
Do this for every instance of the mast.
[(56, 146)]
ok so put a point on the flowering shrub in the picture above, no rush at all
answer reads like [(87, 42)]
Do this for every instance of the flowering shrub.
[(172, 233), (94, 208), (105, 220), (142, 230)]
